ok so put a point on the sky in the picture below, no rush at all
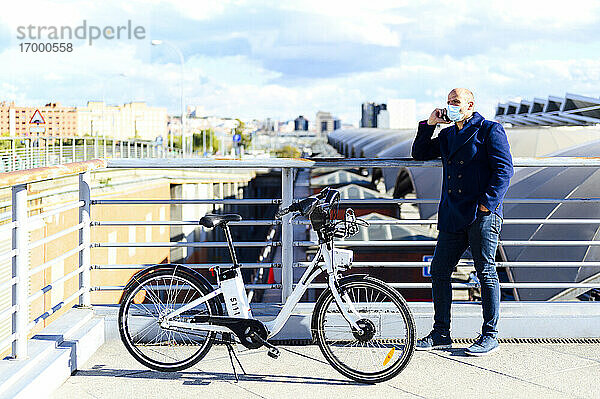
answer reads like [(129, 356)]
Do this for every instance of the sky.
[(281, 59)]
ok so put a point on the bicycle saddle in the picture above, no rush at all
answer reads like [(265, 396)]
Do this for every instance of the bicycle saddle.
[(211, 221)]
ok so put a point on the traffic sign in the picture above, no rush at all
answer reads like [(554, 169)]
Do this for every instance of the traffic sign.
[(37, 129), (237, 138), (37, 118), (427, 269)]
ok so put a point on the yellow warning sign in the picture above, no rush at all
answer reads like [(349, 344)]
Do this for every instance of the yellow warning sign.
[(388, 357)]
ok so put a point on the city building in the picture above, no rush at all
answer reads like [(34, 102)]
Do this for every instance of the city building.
[(301, 123), (324, 122), (131, 120), (59, 120), (370, 111), (402, 113)]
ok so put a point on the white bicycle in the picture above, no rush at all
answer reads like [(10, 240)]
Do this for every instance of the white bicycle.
[(170, 315)]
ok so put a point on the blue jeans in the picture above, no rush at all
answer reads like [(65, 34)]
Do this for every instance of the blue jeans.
[(482, 236)]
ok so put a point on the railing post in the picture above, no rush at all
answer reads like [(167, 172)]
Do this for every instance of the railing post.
[(14, 154), (60, 150), (287, 234), (74, 150), (114, 148), (96, 147), (20, 270), (84, 149), (85, 238)]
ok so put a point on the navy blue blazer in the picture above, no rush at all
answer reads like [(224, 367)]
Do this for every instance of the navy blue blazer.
[(477, 167)]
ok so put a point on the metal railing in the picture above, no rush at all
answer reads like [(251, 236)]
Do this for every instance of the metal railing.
[(21, 245), (18, 153)]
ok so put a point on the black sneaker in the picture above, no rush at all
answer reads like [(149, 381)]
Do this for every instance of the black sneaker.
[(484, 345), (434, 340)]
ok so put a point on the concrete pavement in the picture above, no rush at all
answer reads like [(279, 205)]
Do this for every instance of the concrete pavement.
[(516, 371)]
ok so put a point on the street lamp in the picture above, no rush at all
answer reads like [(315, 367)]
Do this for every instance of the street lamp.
[(180, 54), (114, 133)]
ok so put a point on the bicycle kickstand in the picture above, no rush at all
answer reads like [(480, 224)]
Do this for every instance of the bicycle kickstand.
[(233, 355)]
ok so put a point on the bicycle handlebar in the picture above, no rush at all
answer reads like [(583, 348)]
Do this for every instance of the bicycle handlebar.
[(307, 205)]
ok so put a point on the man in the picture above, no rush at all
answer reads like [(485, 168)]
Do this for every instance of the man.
[(477, 167)]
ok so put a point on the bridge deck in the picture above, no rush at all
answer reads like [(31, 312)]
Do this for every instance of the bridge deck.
[(517, 370)]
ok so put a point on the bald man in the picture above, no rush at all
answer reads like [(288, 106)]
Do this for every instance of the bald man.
[(477, 167)]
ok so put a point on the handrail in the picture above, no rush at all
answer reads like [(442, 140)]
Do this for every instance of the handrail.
[(21, 222), (49, 172)]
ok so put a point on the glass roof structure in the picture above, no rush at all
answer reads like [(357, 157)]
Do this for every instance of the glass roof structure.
[(570, 110)]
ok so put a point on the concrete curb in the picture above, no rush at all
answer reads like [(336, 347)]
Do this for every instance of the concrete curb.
[(517, 319), (54, 354)]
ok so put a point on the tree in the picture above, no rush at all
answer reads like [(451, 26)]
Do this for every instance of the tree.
[(288, 151), (208, 138)]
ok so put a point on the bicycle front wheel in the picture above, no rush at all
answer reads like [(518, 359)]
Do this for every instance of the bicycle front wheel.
[(142, 309), (386, 342)]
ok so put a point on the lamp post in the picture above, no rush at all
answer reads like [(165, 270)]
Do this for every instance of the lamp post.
[(114, 133), (180, 54)]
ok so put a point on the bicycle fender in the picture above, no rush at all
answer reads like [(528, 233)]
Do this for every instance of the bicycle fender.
[(343, 280), (166, 266)]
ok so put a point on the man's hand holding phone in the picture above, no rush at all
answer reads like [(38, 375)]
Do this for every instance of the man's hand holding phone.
[(438, 116)]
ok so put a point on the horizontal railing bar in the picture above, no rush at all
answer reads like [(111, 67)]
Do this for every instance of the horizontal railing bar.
[(505, 221), (8, 283), (8, 255), (436, 200), (259, 163), (476, 285), (7, 312), (54, 236), (409, 162), (190, 265), (335, 163), (7, 226), (208, 244), (57, 210), (50, 286), (181, 223), (249, 201), (54, 309), (248, 286), (7, 341), (467, 263), (423, 243), (257, 201), (59, 258)]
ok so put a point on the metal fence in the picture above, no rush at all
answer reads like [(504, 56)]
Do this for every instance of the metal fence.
[(18, 153), (19, 220)]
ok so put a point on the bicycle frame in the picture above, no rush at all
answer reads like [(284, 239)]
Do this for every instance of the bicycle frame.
[(344, 303)]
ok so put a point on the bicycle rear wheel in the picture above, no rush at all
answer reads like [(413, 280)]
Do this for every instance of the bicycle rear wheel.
[(387, 341), (143, 306)]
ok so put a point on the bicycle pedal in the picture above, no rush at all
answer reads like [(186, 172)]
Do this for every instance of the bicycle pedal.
[(273, 353)]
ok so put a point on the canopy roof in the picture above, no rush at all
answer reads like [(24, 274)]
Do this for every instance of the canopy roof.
[(572, 109)]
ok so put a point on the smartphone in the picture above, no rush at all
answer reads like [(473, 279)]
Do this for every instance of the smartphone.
[(444, 115)]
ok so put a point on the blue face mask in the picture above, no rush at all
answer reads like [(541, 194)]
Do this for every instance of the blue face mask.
[(453, 112)]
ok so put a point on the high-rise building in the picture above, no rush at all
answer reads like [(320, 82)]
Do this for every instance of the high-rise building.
[(402, 113), (59, 120), (301, 123), (370, 111)]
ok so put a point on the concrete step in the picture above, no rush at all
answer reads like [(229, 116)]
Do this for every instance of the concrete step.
[(53, 355)]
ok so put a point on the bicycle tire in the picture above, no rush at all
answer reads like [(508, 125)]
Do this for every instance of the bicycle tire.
[(382, 340), (194, 345)]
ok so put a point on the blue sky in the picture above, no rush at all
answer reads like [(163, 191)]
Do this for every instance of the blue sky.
[(283, 58)]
